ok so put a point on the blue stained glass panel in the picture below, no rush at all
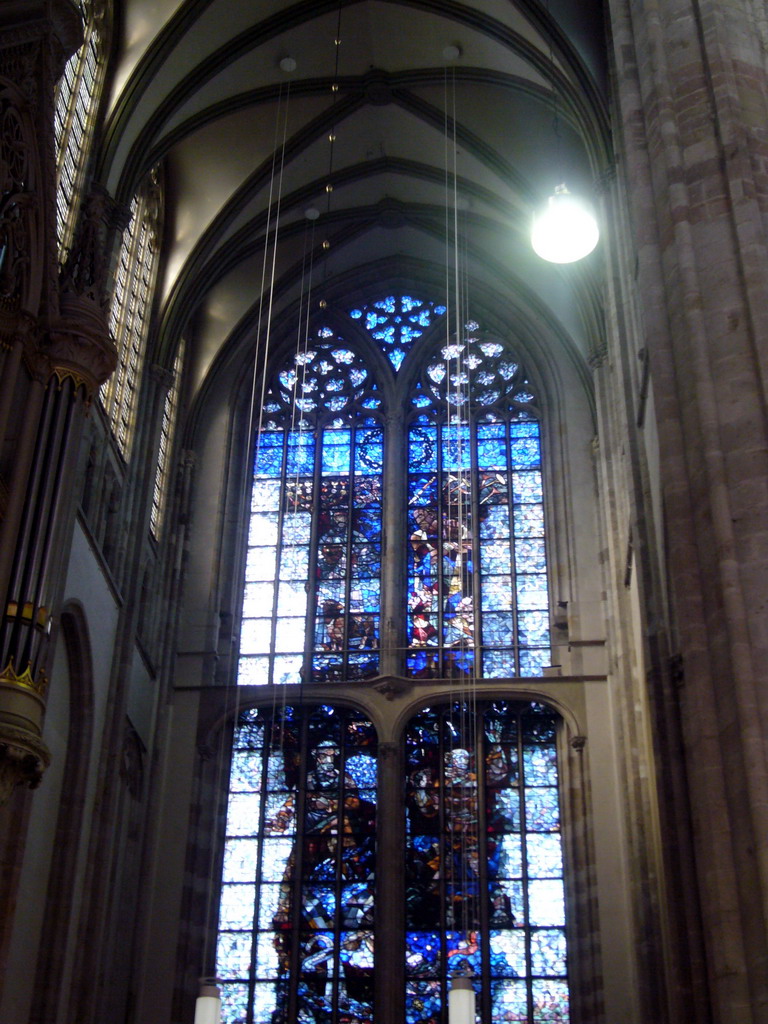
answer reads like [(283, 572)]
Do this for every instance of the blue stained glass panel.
[(526, 487), (504, 811), (530, 555), (301, 453), (525, 453), (532, 592), (497, 629), (545, 855), (509, 1001), (456, 449), (498, 664), (524, 427), (533, 628), (369, 452), (550, 1002), (336, 452), (423, 1002), (422, 449), (497, 594), (540, 765), (492, 451), (294, 563), (495, 557), (534, 660), (542, 809), (507, 953), (422, 954), (494, 522), (462, 953), (548, 952), (234, 1003)]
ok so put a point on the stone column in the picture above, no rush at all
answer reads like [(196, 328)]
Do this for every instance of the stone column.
[(57, 353), (692, 110)]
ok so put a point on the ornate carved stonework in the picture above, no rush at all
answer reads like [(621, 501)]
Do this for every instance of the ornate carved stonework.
[(79, 345), (23, 755), (17, 204)]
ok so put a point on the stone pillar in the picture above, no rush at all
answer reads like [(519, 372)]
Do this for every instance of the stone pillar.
[(57, 352), (692, 110)]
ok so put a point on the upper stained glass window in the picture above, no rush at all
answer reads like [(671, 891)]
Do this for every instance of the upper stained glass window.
[(129, 313), (77, 96), (167, 427), (395, 322), (311, 608), (478, 598), (484, 863)]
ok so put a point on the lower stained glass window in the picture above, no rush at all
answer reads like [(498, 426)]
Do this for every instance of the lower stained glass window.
[(484, 863), (295, 940)]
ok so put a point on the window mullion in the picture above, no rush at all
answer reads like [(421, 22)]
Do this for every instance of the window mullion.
[(477, 592), (310, 642)]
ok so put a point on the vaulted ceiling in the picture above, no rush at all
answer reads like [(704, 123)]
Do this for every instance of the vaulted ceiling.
[(427, 114)]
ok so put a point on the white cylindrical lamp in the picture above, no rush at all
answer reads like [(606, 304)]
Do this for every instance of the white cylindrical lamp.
[(208, 1005), (461, 1001)]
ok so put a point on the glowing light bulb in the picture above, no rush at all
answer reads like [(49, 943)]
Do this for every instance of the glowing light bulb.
[(566, 229)]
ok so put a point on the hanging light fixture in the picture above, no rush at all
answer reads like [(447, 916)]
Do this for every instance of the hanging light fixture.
[(565, 230), (208, 1005)]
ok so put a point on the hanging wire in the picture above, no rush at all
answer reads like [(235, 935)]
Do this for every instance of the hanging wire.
[(261, 355)]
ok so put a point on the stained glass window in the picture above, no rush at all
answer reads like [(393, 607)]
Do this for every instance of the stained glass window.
[(77, 96), (296, 918), (311, 608), (395, 322), (167, 427), (478, 598), (484, 863), (130, 309)]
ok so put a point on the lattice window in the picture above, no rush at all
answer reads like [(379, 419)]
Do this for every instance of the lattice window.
[(395, 323), (478, 596), (130, 310), (295, 939), (484, 863), (77, 99), (312, 592), (167, 429)]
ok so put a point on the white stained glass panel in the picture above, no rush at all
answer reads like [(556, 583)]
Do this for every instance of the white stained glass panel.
[(253, 671), (263, 529), (288, 669), (236, 907), (233, 957), (258, 599), (240, 858), (546, 905), (243, 814), (255, 636), (292, 599), (289, 635)]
